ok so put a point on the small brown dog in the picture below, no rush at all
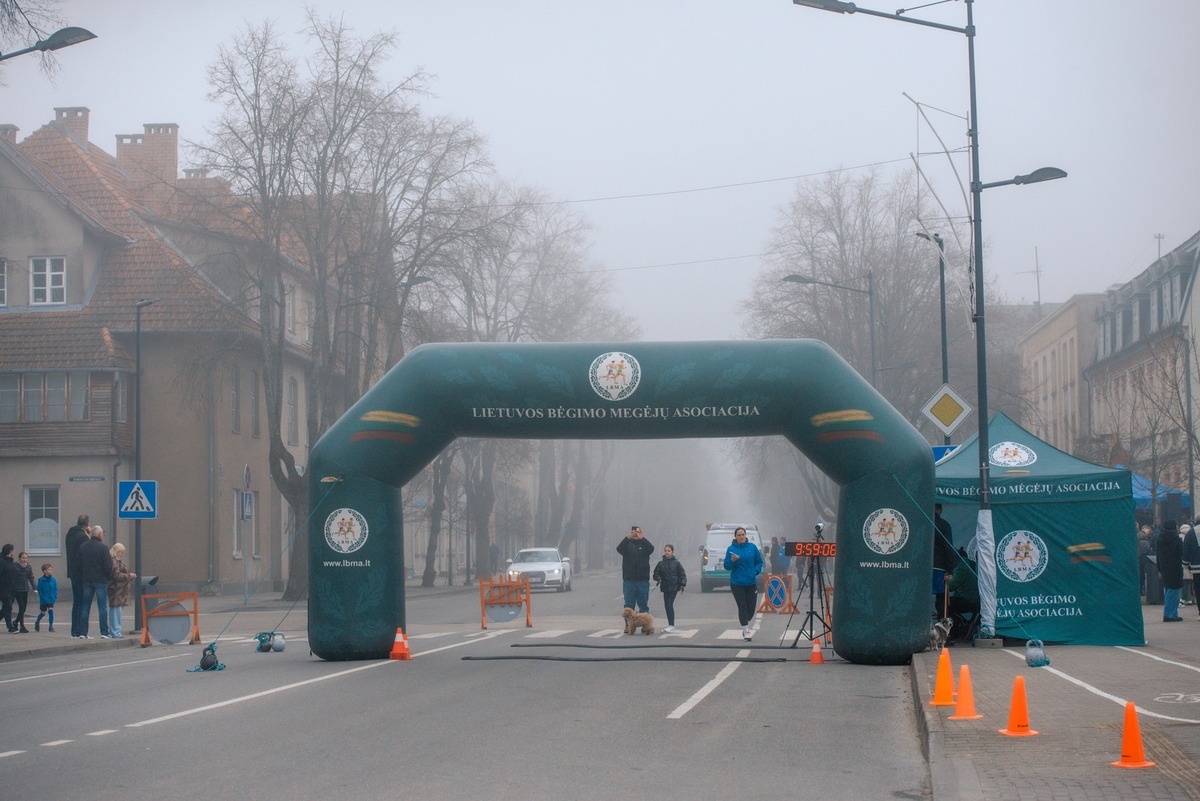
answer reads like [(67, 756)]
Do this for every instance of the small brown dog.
[(638, 620)]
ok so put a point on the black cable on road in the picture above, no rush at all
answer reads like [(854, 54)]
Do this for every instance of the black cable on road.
[(630, 658), (648, 646)]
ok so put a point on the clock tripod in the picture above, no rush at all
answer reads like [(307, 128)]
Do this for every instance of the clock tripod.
[(815, 624)]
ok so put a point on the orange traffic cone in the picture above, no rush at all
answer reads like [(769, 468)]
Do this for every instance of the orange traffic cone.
[(1132, 755), (400, 648), (1018, 714), (943, 685), (964, 709), (817, 657)]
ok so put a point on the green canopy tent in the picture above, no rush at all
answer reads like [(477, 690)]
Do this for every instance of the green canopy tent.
[(1064, 538)]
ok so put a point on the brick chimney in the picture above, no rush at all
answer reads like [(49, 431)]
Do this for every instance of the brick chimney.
[(74, 119), (8, 133), (151, 159)]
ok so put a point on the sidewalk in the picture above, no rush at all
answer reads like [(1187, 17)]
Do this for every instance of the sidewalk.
[(1080, 729), (215, 612)]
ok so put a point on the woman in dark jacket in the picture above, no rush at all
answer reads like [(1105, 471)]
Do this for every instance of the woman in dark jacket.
[(11, 580), (1191, 557), (671, 579), (1170, 567)]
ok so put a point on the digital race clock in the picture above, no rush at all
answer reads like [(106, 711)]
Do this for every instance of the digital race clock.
[(812, 548)]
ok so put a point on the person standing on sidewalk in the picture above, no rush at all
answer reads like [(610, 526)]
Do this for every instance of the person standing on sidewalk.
[(744, 562), (47, 595), (671, 579), (635, 552), (77, 535), (1191, 556), (95, 569), (11, 579), (1170, 567), (118, 589), (22, 595)]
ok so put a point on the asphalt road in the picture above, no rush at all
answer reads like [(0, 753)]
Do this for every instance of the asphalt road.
[(570, 708)]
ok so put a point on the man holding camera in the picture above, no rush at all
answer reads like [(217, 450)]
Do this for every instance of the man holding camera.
[(635, 552)]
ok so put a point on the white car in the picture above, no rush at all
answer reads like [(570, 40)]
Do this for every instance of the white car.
[(545, 567)]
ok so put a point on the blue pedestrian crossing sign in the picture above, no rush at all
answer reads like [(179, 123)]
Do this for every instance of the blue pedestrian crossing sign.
[(137, 500)]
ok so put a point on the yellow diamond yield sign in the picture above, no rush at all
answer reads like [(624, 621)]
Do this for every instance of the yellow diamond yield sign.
[(946, 409)]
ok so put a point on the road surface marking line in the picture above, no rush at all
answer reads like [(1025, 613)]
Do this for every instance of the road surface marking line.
[(85, 670), (4, 754), (704, 691), (1101, 693), (264, 693), (53, 743), (101, 732), (1140, 652)]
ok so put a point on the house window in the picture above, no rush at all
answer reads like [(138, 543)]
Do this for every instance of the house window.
[(121, 399), (290, 313), (41, 521), (293, 417), (3, 282), (10, 398), (255, 428), (235, 400), (32, 396), (47, 280), (78, 391), (44, 397)]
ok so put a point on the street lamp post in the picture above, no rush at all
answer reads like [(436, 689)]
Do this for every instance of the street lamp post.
[(870, 293), (137, 456), (937, 240), (55, 41), (984, 525)]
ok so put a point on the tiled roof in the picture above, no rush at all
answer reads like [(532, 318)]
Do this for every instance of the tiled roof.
[(139, 264)]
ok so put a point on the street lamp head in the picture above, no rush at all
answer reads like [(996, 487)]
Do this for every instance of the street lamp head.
[(144, 302), (65, 38), (1039, 175), (828, 5), (935, 238), (797, 279), (55, 41), (415, 281)]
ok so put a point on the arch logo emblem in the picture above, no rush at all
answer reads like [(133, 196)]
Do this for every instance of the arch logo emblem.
[(885, 531), (345, 530), (615, 375)]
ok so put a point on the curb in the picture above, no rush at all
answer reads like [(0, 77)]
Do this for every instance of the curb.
[(68, 648), (949, 778)]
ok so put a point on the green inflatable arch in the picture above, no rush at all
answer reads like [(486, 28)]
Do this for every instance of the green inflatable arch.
[(638, 390)]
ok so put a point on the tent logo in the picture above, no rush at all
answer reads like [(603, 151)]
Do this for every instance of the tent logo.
[(1011, 454), (1022, 556), (615, 375), (345, 530), (885, 531)]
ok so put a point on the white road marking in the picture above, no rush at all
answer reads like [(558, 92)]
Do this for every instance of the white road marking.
[(9, 753), (549, 634), (53, 743), (685, 634), (85, 670), (609, 633), (704, 691), (1142, 652), (294, 685), (101, 733), (1101, 693)]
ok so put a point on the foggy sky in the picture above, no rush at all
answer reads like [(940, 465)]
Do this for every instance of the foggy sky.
[(652, 102)]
